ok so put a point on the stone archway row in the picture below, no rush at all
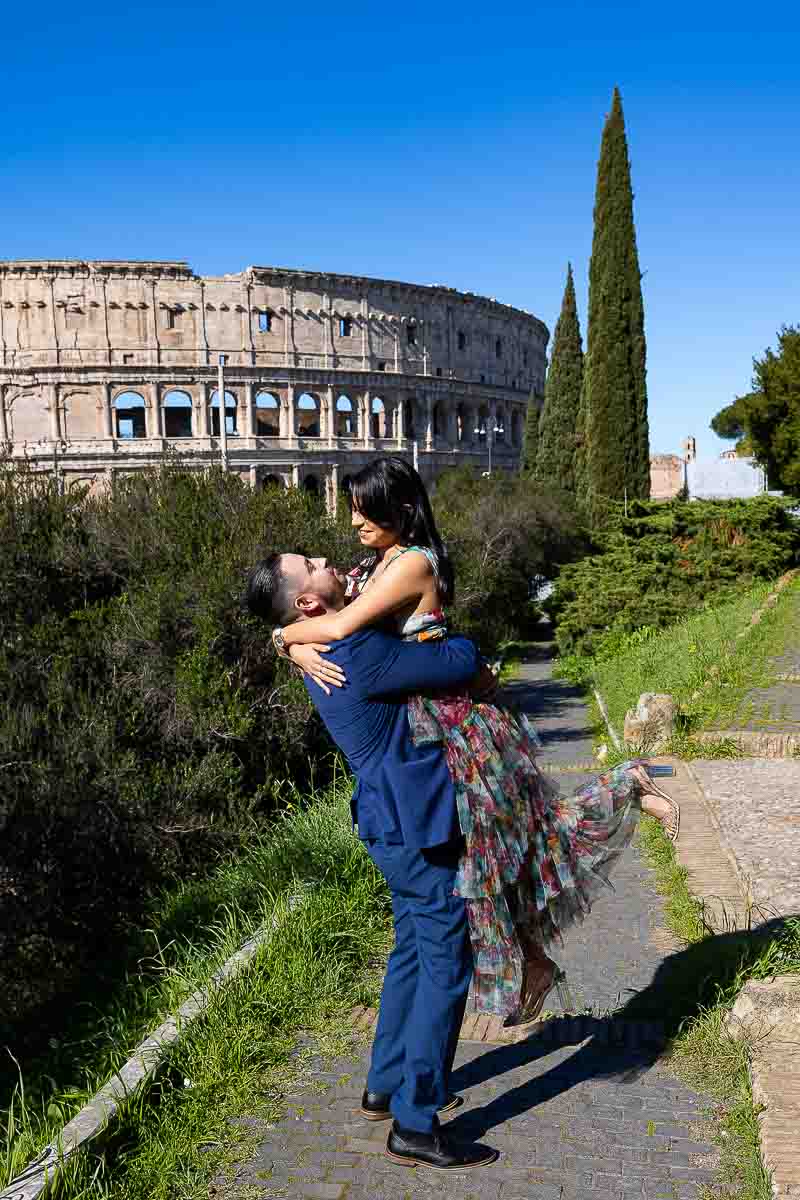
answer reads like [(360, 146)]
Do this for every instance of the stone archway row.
[(290, 413), (125, 411)]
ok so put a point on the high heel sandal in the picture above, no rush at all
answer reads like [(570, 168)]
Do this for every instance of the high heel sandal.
[(671, 823), (531, 1005)]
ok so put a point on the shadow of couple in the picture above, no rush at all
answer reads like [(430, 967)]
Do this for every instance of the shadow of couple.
[(625, 1044)]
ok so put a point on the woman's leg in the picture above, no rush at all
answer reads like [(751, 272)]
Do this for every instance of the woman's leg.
[(656, 803)]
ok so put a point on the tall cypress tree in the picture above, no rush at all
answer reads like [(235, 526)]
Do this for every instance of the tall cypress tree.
[(555, 461), (616, 450), (530, 440)]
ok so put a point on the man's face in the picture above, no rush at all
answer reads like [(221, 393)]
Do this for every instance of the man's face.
[(312, 578)]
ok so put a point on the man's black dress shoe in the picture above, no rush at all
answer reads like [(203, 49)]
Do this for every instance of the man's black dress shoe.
[(375, 1105), (435, 1150)]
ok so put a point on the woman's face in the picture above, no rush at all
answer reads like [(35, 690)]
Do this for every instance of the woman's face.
[(371, 535)]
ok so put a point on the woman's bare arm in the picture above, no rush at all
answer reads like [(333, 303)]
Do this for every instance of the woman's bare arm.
[(403, 584)]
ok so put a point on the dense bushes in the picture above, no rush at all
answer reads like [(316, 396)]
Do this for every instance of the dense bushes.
[(129, 747), (658, 563), (504, 533)]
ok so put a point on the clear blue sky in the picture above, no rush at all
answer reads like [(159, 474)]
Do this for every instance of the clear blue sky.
[(441, 142)]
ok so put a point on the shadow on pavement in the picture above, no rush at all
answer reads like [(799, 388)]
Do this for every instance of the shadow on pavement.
[(626, 1043)]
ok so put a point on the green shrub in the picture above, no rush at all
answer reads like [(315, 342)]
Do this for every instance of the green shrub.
[(145, 716), (505, 534), (662, 561)]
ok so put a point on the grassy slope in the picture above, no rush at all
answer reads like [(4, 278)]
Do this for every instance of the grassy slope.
[(699, 660), (318, 964)]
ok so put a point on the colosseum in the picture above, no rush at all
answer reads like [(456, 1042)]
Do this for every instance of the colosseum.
[(108, 365)]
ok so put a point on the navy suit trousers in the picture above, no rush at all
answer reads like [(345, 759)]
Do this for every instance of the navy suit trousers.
[(426, 984)]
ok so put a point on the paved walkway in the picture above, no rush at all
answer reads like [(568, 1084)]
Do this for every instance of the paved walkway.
[(579, 1110), (756, 803)]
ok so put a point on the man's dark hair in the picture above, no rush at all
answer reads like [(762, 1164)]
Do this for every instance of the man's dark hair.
[(265, 595)]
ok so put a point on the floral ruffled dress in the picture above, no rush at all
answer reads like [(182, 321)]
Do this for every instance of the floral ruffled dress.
[(534, 859)]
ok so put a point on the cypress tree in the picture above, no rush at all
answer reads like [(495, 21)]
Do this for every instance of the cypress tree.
[(558, 426), (530, 440), (616, 451)]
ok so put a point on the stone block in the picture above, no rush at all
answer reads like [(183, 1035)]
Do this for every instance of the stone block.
[(767, 1007), (652, 723)]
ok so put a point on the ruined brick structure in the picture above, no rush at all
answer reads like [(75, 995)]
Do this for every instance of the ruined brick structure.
[(106, 365)]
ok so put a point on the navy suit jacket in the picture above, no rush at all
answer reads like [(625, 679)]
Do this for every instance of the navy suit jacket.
[(404, 793)]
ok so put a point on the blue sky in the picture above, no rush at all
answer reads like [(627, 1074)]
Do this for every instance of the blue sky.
[(441, 143)]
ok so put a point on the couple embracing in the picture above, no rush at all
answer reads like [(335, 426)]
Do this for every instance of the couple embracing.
[(487, 864)]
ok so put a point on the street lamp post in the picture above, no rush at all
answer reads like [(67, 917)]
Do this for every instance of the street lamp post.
[(58, 478), (223, 412), (488, 432)]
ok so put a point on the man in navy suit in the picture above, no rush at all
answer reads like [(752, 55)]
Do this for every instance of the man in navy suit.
[(405, 809)]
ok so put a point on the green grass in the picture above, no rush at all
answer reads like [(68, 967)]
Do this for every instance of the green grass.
[(699, 661), (684, 913), (698, 993), (321, 960)]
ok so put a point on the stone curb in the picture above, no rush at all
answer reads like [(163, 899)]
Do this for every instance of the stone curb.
[(612, 733), (754, 744), (713, 875), (144, 1065), (770, 601), (766, 1012), (767, 1015)]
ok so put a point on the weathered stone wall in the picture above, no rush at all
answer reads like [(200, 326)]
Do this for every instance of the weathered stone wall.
[(667, 476), (103, 365)]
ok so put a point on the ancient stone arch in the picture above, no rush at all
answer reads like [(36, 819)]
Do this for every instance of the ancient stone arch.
[(268, 415), (346, 417), (231, 413), (178, 406), (129, 408), (308, 415), (378, 418)]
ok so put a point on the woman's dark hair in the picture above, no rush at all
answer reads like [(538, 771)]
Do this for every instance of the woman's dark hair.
[(389, 492)]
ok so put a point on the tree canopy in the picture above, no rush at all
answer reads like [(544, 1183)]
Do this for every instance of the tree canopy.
[(766, 421), (615, 459), (555, 462)]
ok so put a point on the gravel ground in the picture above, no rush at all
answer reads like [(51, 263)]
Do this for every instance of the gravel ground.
[(757, 804)]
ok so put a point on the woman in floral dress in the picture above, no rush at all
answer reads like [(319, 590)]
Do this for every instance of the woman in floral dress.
[(533, 859)]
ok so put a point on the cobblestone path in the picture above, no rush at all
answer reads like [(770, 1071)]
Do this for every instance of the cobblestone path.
[(579, 1110)]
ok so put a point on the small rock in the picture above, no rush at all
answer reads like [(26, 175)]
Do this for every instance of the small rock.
[(767, 1007), (652, 722)]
